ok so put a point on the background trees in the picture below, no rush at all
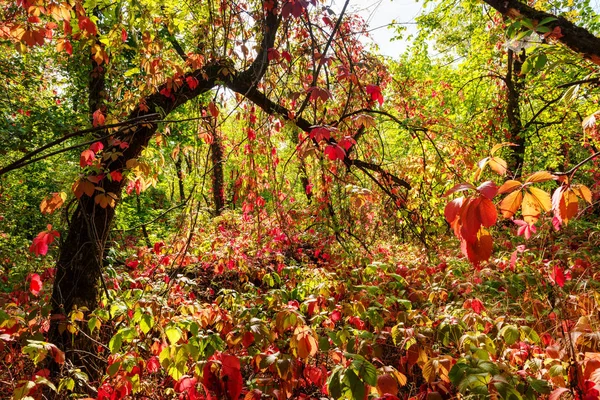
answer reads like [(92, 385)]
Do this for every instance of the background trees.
[(260, 137)]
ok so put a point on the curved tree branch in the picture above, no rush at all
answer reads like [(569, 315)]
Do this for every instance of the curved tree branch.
[(576, 38)]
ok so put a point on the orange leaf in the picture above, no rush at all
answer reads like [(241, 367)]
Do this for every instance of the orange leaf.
[(304, 341), (511, 203), (583, 192), (498, 165), (572, 205), (540, 176), (531, 209), (387, 384), (509, 186), (105, 200), (53, 202), (82, 187), (480, 249)]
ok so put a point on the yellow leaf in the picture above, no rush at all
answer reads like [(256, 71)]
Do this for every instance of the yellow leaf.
[(511, 203), (540, 176), (542, 197)]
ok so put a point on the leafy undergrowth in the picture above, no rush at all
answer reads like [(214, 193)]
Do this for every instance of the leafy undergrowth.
[(218, 316)]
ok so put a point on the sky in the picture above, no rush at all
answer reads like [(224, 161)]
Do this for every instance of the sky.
[(379, 14)]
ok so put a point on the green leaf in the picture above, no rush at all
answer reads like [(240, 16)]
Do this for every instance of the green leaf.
[(365, 370), (355, 385), (115, 343), (146, 323), (527, 66), (334, 385), (529, 334), (173, 334), (527, 23), (131, 72), (510, 333), (546, 20), (540, 386), (114, 368), (541, 61)]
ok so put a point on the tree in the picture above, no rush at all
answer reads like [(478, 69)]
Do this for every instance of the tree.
[(128, 46)]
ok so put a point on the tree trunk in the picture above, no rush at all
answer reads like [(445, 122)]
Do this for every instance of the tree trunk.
[(218, 180), (515, 85)]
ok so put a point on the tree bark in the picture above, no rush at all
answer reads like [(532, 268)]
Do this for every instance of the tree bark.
[(515, 85), (218, 180), (564, 31)]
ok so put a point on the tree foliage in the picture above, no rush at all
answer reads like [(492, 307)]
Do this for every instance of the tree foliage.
[(238, 199)]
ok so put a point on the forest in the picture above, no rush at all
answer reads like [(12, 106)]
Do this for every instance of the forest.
[(244, 199)]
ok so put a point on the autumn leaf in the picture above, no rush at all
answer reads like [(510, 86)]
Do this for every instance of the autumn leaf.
[(105, 199), (35, 284), (192, 82), (304, 342), (540, 176), (387, 384), (83, 186), (525, 229), (86, 24), (213, 109), (335, 152), (87, 158), (53, 202), (40, 243), (374, 91), (480, 249), (510, 204), (488, 189), (509, 186), (97, 146)]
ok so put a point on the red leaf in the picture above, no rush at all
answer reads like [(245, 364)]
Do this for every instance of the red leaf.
[(559, 276), (488, 189), (98, 118), (35, 284), (86, 24), (153, 365), (375, 92), (116, 176), (335, 152), (487, 212), (248, 339), (87, 158), (40, 244), (123, 35), (97, 147), (213, 109), (525, 229), (452, 209), (477, 306), (192, 82), (231, 374)]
